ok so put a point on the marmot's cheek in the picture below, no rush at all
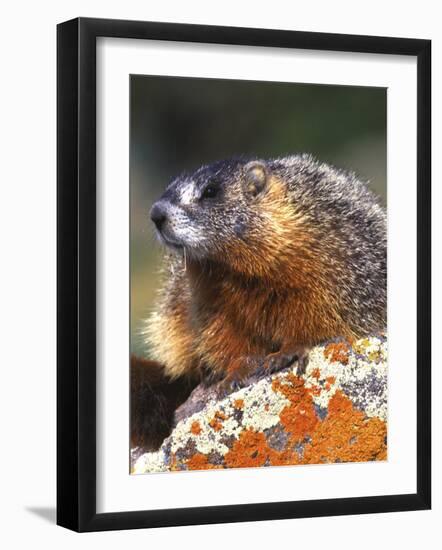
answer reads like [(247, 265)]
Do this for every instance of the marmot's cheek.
[(189, 234), (240, 226)]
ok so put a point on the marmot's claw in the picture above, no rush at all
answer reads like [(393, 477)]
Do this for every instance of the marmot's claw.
[(302, 364), (279, 361), (227, 386), (256, 369)]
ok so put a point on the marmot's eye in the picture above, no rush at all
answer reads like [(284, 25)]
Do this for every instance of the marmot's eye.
[(210, 192)]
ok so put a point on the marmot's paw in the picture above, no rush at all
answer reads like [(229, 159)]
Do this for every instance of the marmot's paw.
[(251, 369), (302, 360), (230, 384), (275, 362)]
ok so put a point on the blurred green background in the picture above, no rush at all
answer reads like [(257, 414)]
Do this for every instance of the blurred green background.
[(178, 124)]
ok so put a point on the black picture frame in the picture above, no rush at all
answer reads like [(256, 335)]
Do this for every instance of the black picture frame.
[(76, 274)]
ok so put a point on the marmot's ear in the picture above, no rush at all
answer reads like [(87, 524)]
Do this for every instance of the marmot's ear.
[(255, 177)]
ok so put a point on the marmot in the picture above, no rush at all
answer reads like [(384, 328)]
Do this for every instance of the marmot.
[(266, 259)]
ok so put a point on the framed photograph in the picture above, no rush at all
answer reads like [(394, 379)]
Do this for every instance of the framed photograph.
[(243, 274)]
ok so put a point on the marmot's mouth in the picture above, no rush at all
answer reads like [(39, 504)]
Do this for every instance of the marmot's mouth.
[(168, 241)]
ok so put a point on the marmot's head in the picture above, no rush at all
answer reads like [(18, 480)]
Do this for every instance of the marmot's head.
[(235, 212)]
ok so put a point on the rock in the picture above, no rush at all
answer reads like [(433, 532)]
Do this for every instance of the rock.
[(335, 412)]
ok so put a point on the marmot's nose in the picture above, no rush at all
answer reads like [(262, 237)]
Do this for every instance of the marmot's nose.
[(158, 214)]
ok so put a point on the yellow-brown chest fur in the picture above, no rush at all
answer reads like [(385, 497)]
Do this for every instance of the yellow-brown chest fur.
[(233, 316)]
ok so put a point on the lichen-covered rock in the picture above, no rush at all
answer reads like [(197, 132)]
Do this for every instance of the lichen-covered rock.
[(335, 412)]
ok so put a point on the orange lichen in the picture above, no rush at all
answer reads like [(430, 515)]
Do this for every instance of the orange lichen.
[(330, 380), (346, 435), (315, 390), (195, 428), (337, 352), (299, 417), (316, 373), (250, 450), (216, 422), (200, 461), (238, 404)]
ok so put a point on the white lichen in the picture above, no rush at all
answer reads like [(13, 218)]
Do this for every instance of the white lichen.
[(150, 462)]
